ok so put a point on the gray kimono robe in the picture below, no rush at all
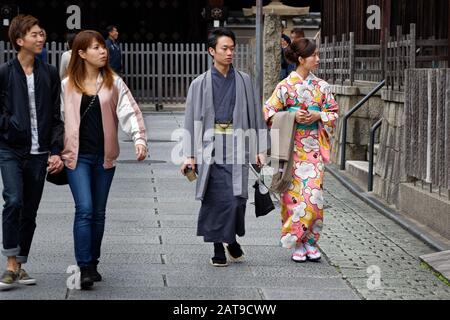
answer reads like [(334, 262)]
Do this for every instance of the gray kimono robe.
[(198, 140), (221, 185)]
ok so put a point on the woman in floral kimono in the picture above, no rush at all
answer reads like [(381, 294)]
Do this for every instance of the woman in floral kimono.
[(316, 113)]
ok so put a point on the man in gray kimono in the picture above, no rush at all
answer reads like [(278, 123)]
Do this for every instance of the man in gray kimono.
[(224, 132)]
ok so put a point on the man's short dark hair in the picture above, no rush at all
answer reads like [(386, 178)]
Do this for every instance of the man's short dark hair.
[(286, 38), (110, 28), (298, 32), (20, 25), (215, 34)]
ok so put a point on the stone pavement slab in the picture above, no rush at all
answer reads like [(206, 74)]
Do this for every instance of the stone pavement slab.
[(150, 248)]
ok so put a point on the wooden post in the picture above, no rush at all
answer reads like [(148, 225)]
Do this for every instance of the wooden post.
[(412, 52), (398, 67), (142, 72), (386, 66), (386, 12), (351, 54), (383, 60), (434, 53), (326, 67), (159, 79), (342, 59), (259, 77), (448, 39), (333, 50)]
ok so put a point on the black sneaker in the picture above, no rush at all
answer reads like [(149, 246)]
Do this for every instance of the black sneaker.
[(95, 275), (86, 280), (235, 252)]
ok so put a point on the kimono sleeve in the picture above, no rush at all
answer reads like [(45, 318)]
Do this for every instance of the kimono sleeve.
[(188, 134), (275, 103), (329, 109)]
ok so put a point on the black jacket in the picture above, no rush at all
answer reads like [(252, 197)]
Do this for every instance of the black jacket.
[(115, 55), (15, 125)]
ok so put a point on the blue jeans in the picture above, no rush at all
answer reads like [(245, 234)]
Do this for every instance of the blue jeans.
[(23, 178), (90, 184)]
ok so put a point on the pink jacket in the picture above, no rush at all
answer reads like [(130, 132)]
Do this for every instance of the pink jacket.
[(117, 105)]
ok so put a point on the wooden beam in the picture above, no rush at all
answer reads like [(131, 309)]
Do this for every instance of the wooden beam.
[(386, 20), (216, 3), (448, 34)]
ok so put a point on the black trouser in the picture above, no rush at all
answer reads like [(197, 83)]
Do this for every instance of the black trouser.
[(23, 182)]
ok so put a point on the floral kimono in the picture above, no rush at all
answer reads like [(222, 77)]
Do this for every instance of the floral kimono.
[(302, 205)]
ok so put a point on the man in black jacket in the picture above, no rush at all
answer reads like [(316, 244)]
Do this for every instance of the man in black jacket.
[(114, 52), (31, 139)]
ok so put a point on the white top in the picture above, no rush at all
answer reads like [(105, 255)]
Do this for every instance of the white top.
[(65, 59), (33, 116)]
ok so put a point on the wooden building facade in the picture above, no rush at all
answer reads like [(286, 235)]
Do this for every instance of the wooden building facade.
[(344, 16)]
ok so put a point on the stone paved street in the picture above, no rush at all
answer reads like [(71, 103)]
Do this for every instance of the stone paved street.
[(151, 251)]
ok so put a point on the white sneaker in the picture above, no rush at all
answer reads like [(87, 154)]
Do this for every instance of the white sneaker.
[(299, 254), (312, 252)]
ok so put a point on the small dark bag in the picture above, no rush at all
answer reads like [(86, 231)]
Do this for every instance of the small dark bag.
[(263, 202), (60, 178)]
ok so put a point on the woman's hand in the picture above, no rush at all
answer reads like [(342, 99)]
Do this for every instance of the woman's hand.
[(307, 117), (55, 164), (188, 162), (141, 152)]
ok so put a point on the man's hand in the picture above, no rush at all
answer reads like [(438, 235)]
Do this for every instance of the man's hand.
[(141, 152), (55, 164), (188, 162), (261, 160)]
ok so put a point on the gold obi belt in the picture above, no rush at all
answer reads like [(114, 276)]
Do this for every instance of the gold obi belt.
[(223, 128)]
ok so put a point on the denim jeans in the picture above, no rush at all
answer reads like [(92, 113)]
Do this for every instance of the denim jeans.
[(90, 184), (23, 182)]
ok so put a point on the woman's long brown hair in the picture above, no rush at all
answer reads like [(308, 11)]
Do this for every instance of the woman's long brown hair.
[(77, 70)]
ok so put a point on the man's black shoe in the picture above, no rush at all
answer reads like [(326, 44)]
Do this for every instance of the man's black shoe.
[(219, 259), (86, 280), (218, 262), (95, 275), (235, 252)]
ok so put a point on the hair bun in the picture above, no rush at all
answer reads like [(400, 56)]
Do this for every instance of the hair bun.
[(299, 48), (290, 53)]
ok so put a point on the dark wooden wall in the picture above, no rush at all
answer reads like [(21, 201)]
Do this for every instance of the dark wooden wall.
[(430, 17), (343, 16), (138, 21)]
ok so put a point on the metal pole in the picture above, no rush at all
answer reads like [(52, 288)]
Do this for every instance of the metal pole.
[(348, 114), (371, 152), (343, 143), (259, 52)]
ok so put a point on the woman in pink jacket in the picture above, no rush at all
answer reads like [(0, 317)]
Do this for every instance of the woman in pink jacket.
[(93, 101)]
